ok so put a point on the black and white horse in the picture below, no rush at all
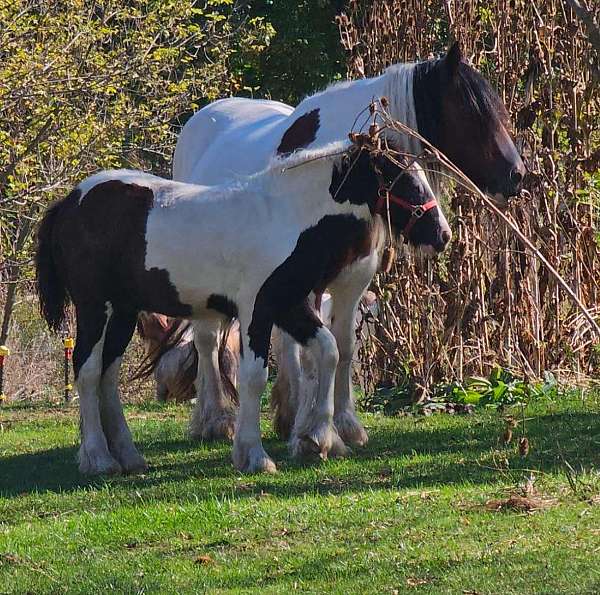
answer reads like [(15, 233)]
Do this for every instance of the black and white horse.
[(125, 241), (448, 102)]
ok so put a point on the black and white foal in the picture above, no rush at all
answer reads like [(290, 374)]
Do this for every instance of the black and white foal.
[(125, 241)]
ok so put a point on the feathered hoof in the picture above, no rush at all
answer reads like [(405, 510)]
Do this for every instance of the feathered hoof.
[(210, 428), (252, 459), (322, 442), (97, 464), (133, 463), (351, 431)]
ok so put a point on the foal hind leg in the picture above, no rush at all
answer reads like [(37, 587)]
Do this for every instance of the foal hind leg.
[(313, 431), (94, 455), (213, 416), (120, 443)]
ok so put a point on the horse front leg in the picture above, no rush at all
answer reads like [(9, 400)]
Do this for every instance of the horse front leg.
[(313, 431), (286, 389), (213, 416), (347, 290), (249, 455)]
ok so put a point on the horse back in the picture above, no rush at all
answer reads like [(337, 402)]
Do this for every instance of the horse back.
[(229, 137)]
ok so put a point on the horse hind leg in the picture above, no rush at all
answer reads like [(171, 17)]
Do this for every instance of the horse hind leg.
[(94, 455), (120, 443), (286, 389), (213, 416)]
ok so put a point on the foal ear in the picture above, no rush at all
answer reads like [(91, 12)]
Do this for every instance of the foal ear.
[(453, 58)]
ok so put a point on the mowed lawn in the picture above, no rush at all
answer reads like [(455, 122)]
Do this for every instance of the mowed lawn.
[(411, 512)]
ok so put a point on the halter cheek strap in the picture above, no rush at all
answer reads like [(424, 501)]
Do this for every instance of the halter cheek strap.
[(416, 211)]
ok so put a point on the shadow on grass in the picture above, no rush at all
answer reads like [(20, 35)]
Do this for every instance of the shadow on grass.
[(461, 452)]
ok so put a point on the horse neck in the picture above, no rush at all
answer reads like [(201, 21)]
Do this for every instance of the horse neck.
[(339, 106), (303, 190)]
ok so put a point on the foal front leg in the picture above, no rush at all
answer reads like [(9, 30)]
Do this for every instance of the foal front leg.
[(249, 455), (347, 290), (313, 431), (285, 391)]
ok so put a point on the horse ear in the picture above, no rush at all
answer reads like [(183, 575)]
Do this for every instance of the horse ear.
[(453, 58)]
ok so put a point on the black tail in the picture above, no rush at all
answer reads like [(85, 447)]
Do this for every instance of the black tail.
[(51, 288)]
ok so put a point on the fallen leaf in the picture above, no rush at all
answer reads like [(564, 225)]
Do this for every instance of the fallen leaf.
[(204, 559), (523, 503), (524, 446), (415, 582)]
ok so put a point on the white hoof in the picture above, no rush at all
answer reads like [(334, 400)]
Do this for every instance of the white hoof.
[(97, 463), (350, 429), (212, 425), (252, 460)]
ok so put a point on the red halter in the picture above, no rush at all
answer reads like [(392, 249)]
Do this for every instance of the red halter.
[(416, 211)]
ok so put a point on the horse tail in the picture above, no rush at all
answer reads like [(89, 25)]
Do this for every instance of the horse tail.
[(228, 362), (170, 340), (184, 387), (50, 284)]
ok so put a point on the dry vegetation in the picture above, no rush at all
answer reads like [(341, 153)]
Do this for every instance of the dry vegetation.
[(490, 302), (71, 101)]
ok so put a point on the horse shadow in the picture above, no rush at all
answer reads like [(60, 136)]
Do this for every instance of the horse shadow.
[(392, 459)]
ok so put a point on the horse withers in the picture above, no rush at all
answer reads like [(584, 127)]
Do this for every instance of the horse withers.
[(125, 241)]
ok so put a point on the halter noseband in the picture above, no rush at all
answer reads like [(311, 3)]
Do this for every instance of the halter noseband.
[(416, 211)]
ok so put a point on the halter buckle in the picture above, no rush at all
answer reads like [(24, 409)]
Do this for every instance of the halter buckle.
[(418, 212)]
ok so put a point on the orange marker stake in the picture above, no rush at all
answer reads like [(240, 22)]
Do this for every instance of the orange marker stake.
[(4, 352), (68, 343)]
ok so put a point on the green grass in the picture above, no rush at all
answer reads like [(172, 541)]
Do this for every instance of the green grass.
[(405, 514)]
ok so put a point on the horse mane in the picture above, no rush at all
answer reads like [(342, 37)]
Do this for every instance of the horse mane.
[(481, 96)]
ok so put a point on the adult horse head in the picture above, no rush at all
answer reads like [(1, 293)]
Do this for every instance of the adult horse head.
[(458, 112)]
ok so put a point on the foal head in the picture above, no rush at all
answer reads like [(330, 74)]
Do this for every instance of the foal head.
[(381, 179), (458, 112)]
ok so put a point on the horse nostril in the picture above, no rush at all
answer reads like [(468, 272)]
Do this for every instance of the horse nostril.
[(446, 236), (516, 176)]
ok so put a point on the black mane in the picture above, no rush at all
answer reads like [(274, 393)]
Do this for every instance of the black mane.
[(432, 82)]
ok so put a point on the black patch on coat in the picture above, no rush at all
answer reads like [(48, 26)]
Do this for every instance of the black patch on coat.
[(223, 305), (300, 134), (320, 253), (354, 180), (472, 101), (119, 331), (97, 255)]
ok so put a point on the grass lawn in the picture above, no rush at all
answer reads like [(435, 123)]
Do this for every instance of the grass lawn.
[(405, 514)]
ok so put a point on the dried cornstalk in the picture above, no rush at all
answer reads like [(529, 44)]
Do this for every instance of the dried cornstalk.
[(490, 300)]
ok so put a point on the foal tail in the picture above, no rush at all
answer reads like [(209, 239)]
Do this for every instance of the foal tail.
[(50, 284)]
